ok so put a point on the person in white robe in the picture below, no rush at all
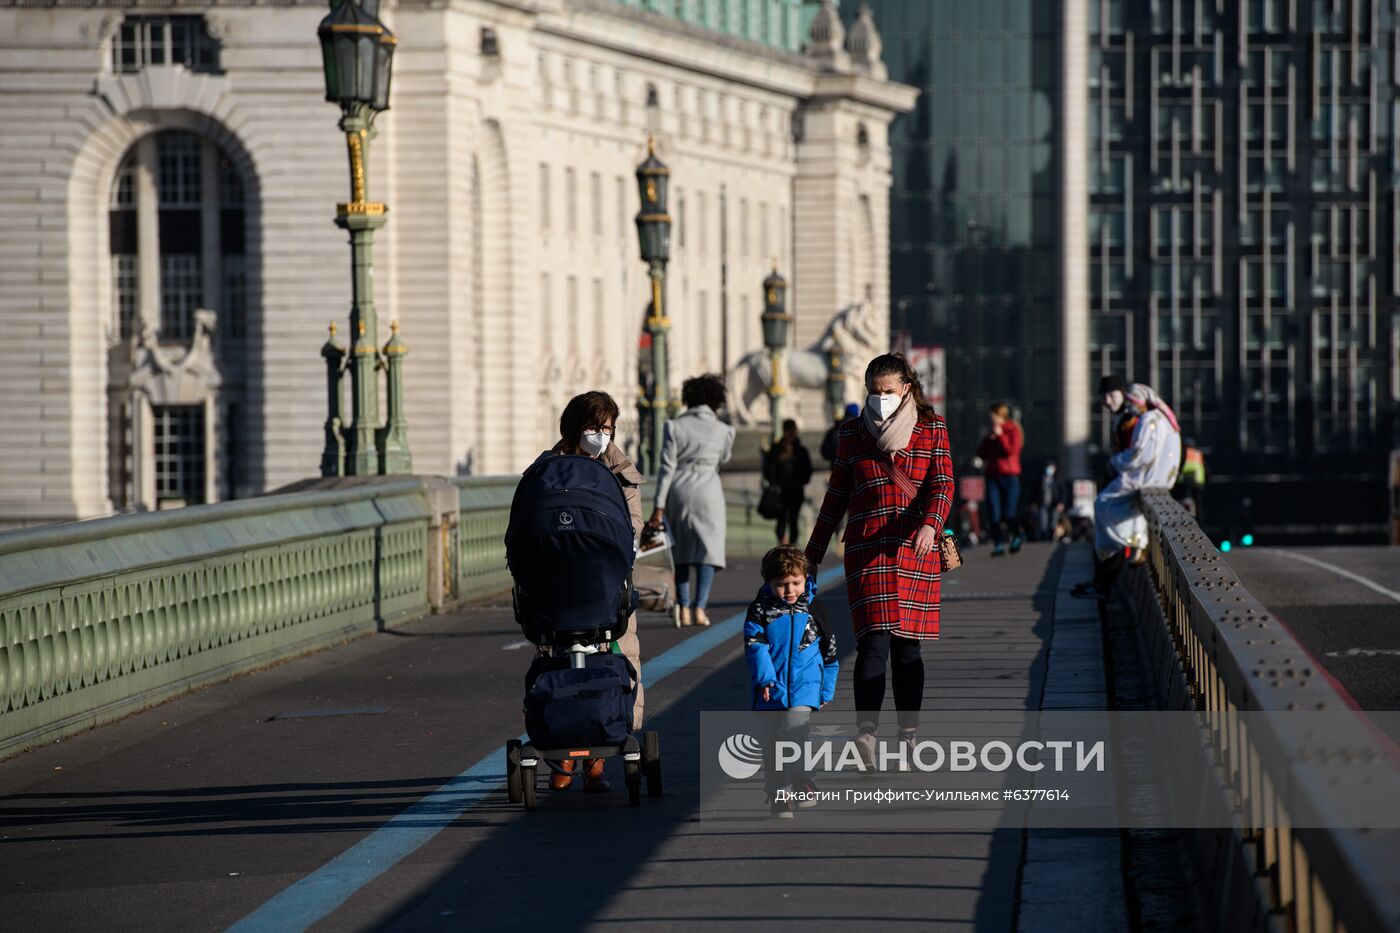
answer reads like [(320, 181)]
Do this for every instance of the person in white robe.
[(1152, 462)]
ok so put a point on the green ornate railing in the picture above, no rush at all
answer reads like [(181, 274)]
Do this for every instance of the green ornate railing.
[(102, 618), (99, 618), (485, 511)]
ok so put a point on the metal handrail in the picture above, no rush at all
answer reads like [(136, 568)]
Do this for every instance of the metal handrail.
[(1237, 657)]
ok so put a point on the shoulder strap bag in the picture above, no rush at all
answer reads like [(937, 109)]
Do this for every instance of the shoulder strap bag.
[(950, 557)]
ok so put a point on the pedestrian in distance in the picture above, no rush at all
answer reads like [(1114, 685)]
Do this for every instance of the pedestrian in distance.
[(893, 474), (1151, 462), (788, 465), (689, 494), (1000, 451), (828, 450), (1052, 502), (791, 655), (1192, 481), (587, 428)]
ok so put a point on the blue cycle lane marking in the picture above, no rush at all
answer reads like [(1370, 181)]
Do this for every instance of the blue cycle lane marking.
[(316, 895)]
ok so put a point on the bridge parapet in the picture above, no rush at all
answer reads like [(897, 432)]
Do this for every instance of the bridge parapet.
[(1214, 648), (99, 619)]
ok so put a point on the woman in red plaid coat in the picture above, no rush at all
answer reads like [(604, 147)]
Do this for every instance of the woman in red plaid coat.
[(893, 478)]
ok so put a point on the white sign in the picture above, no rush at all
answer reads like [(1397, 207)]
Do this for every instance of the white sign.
[(931, 365)]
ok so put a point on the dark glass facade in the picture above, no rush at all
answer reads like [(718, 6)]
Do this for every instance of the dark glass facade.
[(1245, 205), (972, 213), (1243, 174)]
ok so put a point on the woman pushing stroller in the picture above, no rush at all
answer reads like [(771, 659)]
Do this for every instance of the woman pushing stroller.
[(586, 428)]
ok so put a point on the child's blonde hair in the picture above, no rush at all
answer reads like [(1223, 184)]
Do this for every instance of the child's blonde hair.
[(786, 560)]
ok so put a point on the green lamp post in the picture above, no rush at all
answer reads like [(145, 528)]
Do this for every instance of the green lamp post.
[(835, 382), (357, 52), (775, 338), (654, 232)]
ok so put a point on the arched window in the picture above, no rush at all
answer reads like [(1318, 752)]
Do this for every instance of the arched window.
[(178, 242)]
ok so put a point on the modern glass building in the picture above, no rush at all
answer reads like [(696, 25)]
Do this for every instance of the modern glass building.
[(1245, 206), (973, 229), (1200, 195)]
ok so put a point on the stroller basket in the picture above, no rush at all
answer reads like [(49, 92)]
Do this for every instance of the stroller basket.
[(568, 706)]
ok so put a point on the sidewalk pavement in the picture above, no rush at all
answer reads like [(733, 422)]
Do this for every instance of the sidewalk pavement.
[(193, 814)]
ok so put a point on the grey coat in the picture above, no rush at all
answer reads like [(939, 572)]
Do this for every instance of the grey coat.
[(687, 484)]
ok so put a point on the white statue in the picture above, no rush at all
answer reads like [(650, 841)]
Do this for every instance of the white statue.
[(854, 331), (184, 379)]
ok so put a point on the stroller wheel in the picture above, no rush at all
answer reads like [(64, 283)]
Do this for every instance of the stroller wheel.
[(527, 787), (513, 782), (651, 763)]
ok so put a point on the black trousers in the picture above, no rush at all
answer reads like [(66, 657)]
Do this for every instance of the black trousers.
[(874, 651), (788, 520)]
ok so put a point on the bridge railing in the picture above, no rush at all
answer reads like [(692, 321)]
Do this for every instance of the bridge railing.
[(102, 618), (485, 512), (1218, 650)]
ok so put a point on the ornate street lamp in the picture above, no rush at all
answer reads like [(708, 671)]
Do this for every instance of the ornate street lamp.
[(357, 52), (654, 233), (775, 338)]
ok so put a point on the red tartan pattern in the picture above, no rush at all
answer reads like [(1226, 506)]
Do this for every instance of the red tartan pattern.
[(889, 589)]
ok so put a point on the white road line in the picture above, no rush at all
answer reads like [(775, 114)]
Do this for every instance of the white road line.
[(1364, 653), (1339, 571)]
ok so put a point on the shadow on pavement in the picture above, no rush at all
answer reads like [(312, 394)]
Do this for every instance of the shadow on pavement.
[(584, 859)]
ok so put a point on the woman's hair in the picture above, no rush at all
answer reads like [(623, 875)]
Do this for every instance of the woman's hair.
[(786, 560), (894, 364), (788, 443), (1000, 408), (585, 410), (703, 390)]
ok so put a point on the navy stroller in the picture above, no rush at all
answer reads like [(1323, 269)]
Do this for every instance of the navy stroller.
[(569, 548)]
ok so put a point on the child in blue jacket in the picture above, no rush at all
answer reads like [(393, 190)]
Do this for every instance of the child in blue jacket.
[(791, 654)]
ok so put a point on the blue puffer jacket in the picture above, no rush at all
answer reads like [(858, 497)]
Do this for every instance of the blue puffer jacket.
[(791, 649)]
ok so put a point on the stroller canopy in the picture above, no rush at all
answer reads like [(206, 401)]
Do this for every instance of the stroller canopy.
[(569, 546)]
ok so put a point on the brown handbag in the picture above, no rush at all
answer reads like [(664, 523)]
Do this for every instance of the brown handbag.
[(949, 556)]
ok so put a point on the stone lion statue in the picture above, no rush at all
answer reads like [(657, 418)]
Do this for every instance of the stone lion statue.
[(854, 331)]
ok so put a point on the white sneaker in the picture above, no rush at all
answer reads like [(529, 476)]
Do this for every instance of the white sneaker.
[(865, 748), (905, 763)]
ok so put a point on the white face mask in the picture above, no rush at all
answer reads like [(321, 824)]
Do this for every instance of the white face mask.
[(883, 405), (593, 443)]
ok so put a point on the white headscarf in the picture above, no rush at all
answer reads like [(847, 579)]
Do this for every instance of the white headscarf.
[(1144, 398)]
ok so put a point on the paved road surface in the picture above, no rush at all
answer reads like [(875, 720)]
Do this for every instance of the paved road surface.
[(195, 814), (1351, 628)]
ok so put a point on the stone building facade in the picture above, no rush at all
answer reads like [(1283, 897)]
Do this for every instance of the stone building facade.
[(168, 265)]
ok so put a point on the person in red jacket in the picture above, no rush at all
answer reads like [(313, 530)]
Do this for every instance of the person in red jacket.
[(1000, 451), (893, 480)]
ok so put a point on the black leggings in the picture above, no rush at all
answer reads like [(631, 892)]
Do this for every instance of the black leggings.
[(873, 651), (788, 520)]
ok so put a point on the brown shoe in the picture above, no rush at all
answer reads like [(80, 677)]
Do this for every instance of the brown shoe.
[(700, 617), (593, 780), (559, 781)]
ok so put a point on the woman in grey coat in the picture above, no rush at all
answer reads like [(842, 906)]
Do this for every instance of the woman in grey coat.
[(688, 491)]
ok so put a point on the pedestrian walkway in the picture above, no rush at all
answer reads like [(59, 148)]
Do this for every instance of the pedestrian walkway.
[(197, 813)]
